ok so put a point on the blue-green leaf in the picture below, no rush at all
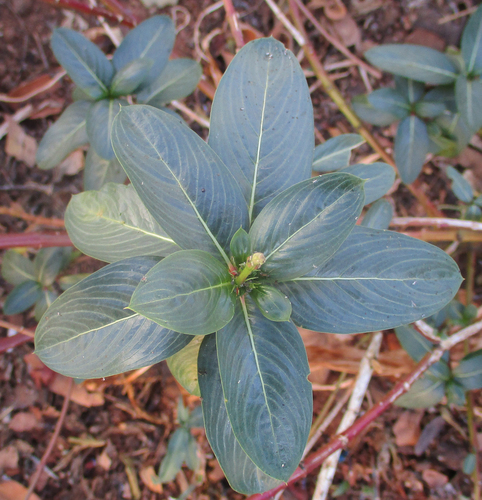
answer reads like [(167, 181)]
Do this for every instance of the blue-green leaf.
[(379, 178), (429, 109), (471, 43), (98, 171), (410, 89), (367, 112), (112, 224), (460, 186), (468, 94), (182, 182), (240, 246), (242, 474), (130, 77), (376, 280), (99, 125), (43, 303), (335, 152), (303, 226), (66, 135), (16, 268), (469, 371), (262, 121), (425, 392), (417, 346), (176, 453), (22, 297), (444, 94), (273, 304), (413, 61), (391, 101), (88, 332), (411, 148), (264, 370), (379, 215), (152, 39), (190, 292), (178, 79), (84, 62), (48, 263)]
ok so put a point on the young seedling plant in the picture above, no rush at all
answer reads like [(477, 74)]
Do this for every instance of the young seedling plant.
[(437, 98), (140, 69), (256, 248), (34, 280)]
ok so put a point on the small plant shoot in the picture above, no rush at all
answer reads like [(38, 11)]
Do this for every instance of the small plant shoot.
[(440, 119), (35, 281), (140, 68), (237, 246)]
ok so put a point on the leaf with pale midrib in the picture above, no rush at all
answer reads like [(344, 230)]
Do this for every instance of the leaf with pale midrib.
[(262, 121)]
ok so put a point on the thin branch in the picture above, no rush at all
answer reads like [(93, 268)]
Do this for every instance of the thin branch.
[(119, 9), (202, 120), (341, 440), (336, 43), (459, 235), (52, 441), (439, 222), (42, 88), (232, 17), (19, 329), (34, 240), (327, 473), (81, 7), (295, 33), (36, 219)]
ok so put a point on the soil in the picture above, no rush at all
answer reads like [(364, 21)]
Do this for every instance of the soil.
[(126, 429)]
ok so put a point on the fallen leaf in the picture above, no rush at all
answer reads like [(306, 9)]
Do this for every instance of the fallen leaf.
[(148, 477), (426, 38), (20, 145), (72, 165), (434, 479), (348, 31), (8, 458), (11, 490), (334, 9), (80, 395), (429, 433), (104, 461), (34, 87), (23, 422), (407, 428)]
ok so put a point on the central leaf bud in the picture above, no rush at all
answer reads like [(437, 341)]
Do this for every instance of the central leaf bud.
[(253, 263)]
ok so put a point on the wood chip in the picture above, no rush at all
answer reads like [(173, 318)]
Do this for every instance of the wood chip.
[(11, 490), (20, 145), (434, 479), (8, 458), (23, 422), (407, 428)]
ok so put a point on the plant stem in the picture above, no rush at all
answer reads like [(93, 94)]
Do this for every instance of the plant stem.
[(336, 96), (341, 440), (336, 43), (37, 219), (232, 17), (53, 439), (83, 8), (440, 222), (35, 240)]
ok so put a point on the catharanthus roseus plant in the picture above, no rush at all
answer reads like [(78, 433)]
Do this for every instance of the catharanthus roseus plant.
[(437, 98), (140, 68), (257, 247)]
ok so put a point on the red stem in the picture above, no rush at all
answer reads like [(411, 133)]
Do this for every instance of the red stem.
[(35, 240), (341, 440), (7, 343), (117, 8), (93, 11)]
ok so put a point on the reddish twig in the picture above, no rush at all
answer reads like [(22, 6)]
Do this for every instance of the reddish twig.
[(52, 441), (19, 329), (342, 439), (7, 343), (37, 219), (119, 9), (91, 11), (35, 240), (232, 17)]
